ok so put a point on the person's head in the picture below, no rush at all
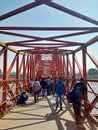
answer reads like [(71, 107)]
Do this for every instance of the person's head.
[(59, 79), (82, 80), (83, 87), (36, 79)]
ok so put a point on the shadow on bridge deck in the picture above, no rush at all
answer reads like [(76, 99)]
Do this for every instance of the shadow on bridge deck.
[(42, 116)]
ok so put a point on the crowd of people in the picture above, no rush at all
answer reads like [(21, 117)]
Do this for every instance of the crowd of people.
[(45, 86), (48, 86)]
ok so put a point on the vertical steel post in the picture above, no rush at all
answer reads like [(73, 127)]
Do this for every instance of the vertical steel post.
[(84, 75), (56, 65), (64, 66), (17, 76), (84, 62), (4, 94), (24, 72), (60, 65), (73, 69), (33, 65), (67, 74), (30, 66)]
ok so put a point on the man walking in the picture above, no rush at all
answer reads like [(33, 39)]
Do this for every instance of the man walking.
[(80, 92), (59, 89)]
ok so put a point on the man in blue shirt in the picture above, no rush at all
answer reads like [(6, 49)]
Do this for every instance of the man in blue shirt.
[(59, 89)]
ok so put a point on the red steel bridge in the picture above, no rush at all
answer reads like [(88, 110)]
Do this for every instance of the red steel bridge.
[(49, 55)]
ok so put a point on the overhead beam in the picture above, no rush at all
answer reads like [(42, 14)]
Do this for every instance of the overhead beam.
[(53, 37), (74, 34), (90, 42), (67, 43), (20, 10), (48, 28), (71, 12), (10, 48), (18, 42), (18, 34), (25, 43)]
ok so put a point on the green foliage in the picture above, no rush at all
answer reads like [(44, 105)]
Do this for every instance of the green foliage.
[(92, 72), (0, 71)]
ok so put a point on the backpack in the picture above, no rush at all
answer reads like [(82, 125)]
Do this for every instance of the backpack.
[(71, 96)]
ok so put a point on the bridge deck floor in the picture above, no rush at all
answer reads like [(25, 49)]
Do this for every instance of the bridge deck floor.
[(42, 116)]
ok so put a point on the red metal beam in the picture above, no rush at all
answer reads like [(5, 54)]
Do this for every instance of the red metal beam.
[(71, 12), (24, 72), (93, 103), (45, 51), (11, 66), (17, 75), (92, 58), (5, 64), (90, 42), (48, 28), (69, 63), (91, 89), (78, 65), (66, 42), (20, 10), (2, 51), (21, 65), (84, 62), (17, 34), (9, 90), (20, 43), (74, 34), (37, 47), (4, 97), (28, 36), (60, 42), (73, 70)]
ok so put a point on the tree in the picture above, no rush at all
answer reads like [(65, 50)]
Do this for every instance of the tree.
[(0, 71), (92, 72)]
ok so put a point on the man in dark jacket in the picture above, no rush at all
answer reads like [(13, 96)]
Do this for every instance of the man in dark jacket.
[(80, 92), (43, 87), (22, 98)]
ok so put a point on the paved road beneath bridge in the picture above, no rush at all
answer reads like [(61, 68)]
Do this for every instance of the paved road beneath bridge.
[(42, 116)]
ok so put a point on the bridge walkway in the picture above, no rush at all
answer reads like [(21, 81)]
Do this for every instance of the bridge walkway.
[(42, 116)]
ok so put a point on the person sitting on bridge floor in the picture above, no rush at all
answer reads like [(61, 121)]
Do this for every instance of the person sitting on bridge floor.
[(23, 97), (59, 89), (80, 91)]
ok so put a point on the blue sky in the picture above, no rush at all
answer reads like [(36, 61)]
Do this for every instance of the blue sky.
[(46, 16)]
